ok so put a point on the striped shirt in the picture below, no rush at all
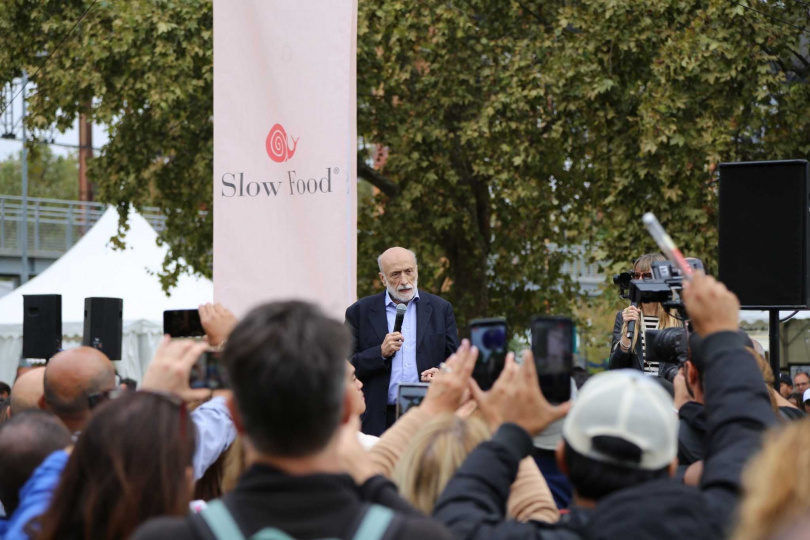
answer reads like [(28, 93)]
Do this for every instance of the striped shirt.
[(650, 323)]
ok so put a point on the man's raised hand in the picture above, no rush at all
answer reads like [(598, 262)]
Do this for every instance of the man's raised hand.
[(170, 369), (218, 323), (516, 398), (448, 386), (711, 306)]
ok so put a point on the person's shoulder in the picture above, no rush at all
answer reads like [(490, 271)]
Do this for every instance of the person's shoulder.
[(368, 300), (168, 528)]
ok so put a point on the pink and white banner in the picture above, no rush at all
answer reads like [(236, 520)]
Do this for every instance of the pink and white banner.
[(285, 208)]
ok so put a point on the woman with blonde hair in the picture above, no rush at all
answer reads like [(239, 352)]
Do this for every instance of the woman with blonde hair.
[(433, 457), (436, 451), (776, 484), (629, 352)]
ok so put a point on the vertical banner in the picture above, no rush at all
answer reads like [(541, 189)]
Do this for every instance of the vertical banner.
[(285, 150)]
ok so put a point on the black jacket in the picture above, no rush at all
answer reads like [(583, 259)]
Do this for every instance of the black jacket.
[(619, 358), (691, 433), (473, 505), (436, 339), (316, 506), (634, 359)]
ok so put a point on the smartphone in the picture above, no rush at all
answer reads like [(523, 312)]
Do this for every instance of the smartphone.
[(553, 349), (490, 336), (209, 372), (410, 395), (182, 323)]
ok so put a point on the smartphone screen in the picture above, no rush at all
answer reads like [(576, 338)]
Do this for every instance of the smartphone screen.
[(209, 372), (490, 337), (410, 395), (182, 323), (553, 349)]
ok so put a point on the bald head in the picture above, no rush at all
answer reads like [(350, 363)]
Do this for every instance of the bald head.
[(399, 273), (70, 377), (395, 256), (27, 391)]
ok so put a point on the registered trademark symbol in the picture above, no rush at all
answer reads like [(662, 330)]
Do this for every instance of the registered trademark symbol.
[(336, 170)]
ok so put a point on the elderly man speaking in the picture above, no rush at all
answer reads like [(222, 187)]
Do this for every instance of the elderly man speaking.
[(383, 358)]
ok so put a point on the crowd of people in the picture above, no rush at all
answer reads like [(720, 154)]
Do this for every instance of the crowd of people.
[(290, 450)]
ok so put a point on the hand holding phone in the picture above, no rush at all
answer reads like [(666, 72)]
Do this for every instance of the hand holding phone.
[(410, 395), (182, 323), (490, 337), (516, 398), (553, 351)]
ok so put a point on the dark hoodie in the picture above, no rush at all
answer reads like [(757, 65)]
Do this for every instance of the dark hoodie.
[(645, 512)]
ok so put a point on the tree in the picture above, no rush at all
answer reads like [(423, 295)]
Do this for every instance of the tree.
[(515, 130), (144, 68), (49, 176), (519, 125)]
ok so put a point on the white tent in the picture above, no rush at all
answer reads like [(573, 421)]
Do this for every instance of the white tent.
[(93, 267), (754, 317)]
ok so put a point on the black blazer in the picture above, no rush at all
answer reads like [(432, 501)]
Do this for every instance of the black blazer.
[(436, 339)]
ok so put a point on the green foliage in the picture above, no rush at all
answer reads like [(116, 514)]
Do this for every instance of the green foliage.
[(49, 176), (144, 68), (513, 128), (517, 125)]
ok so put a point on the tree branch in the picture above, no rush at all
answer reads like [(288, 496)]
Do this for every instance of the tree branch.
[(376, 179)]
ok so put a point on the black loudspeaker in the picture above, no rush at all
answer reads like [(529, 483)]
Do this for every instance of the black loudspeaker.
[(42, 325), (764, 233), (104, 325)]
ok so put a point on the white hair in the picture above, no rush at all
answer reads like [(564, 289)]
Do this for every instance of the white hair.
[(379, 260)]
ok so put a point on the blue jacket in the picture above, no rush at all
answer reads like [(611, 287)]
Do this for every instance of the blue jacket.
[(35, 496)]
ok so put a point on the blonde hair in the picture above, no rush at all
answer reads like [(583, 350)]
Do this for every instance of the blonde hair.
[(665, 320), (776, 484), (434, 455)]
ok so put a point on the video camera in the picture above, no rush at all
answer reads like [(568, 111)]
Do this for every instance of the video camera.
[(664, 287)]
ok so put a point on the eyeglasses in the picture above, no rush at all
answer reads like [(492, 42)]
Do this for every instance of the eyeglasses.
[(642, 275), (97, 398)]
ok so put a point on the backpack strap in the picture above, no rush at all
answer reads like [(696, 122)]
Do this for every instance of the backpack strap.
[(375, 523), (219, 519)]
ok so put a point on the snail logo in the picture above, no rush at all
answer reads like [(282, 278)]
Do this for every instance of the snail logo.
[(277, 144)]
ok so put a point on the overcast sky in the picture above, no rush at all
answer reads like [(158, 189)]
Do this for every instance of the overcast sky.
[(71, 137)]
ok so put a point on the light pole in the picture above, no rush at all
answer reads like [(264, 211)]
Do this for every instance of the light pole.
[(24, 163)]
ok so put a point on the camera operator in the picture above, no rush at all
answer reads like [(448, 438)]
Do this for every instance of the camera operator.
[(632, 353)]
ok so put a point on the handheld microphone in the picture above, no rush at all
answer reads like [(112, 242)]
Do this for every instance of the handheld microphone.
[(401, 309), (631, 326)]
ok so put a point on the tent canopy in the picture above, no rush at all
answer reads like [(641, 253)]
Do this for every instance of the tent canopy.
[(93, 267)]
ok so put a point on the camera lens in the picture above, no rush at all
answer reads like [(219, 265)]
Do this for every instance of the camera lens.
[(670, 345)]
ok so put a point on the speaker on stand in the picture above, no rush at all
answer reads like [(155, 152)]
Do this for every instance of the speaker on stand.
[(764, 234), (103, 325), (42, 325)]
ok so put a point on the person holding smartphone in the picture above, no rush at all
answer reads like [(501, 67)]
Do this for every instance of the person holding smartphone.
[(631, 352)]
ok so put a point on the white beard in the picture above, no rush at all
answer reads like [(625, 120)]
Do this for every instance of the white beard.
[(398, 295)]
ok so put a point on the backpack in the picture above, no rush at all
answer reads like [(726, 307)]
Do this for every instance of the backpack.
[(219, 520)]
